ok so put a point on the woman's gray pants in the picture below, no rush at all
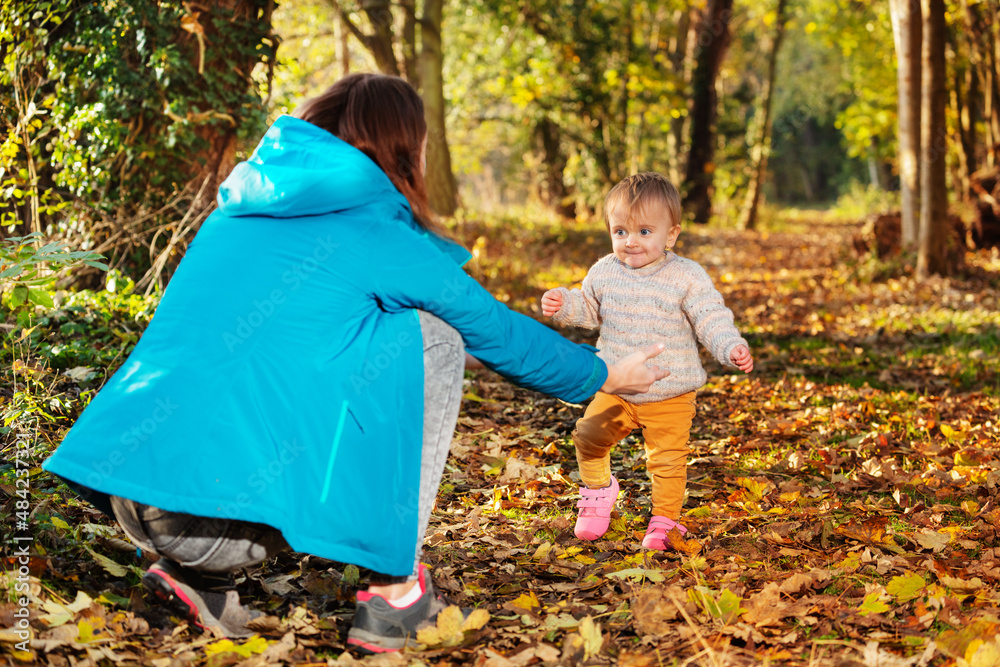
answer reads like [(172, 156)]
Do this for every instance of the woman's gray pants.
[(224, 545)]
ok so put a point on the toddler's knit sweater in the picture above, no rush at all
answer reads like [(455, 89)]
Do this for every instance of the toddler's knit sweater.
[(671, 301)]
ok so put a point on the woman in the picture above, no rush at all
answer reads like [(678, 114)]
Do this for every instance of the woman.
[(300, 382)]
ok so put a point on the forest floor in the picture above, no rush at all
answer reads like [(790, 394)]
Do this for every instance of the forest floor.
[(842, 499)]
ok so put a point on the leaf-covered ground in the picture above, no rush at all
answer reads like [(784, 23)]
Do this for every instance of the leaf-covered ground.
[(842, 499)]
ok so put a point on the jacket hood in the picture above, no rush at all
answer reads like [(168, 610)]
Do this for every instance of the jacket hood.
[(299, 169)]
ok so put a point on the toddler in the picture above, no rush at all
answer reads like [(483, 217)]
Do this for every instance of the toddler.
[(642, 293)]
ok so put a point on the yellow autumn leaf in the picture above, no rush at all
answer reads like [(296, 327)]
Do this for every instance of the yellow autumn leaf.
[(981, 654), (221, 646), (86, 631), (255, 644), (59, 523), (448, 630), (429, 636), (476, 620), (542, 551), (593, 638), (951, 433), (527, 600), (851, 562), (872, 605)]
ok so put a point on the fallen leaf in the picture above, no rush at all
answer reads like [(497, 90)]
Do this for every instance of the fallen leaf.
[(961, 585), (796, 583), (264, 623), (955, 643), (255, 644), (872, 531), (766, 608), (932, 539), (593, 638), (872, 604), (527, 601), (874, 655), (80, 373), (637, 574), (906, 587), (113, 568), (981, 654), (723, 606), (451, 627), (653, 609), (542, 551)]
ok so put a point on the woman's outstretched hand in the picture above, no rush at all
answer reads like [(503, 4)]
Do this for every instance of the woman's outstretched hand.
[(631, 375)]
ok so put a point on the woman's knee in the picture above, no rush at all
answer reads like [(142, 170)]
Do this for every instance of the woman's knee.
[(436, 331)]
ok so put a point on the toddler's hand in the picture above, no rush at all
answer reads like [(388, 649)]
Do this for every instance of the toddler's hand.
[(741, 358), (552, 301)]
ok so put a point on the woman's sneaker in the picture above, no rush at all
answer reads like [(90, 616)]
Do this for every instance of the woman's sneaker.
[(380, 627), (595, 510), (207, 600), (656, 533)]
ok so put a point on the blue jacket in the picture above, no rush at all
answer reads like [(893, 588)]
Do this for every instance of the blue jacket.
[(281, 379)]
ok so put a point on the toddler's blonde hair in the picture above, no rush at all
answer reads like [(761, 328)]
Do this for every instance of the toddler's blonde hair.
[(637, 193)]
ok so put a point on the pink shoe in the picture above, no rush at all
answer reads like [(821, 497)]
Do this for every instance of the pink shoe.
[(595, 510), (656, 533)]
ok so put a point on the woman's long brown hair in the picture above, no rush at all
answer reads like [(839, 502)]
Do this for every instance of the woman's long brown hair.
[(383, 117)]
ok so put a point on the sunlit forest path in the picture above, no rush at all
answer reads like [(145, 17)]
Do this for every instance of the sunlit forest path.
[(842, 499), (838, 166)]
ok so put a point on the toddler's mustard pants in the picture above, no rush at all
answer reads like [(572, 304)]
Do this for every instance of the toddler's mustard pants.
[(666, 426)]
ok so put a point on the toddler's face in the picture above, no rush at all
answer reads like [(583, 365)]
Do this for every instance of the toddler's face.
[(642, 239)]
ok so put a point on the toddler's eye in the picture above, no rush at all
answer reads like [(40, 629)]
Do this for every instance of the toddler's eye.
[(619, 232), (645, 232)]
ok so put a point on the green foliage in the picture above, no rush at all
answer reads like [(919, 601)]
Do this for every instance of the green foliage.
[(26, 271), (53, 368), (861, 200), (594, 70), (113, 107)]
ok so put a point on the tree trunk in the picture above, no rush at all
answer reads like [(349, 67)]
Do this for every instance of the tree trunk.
[(218, 160), (934, 237), (713, 39), (907, 30), (380, 41), (552, 191), (424, 72), (343, 49), (762, 141), (681, 57), (411, 65), (969, 111), (959, 98), (994, 90), (625, 76), (441, 188)]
